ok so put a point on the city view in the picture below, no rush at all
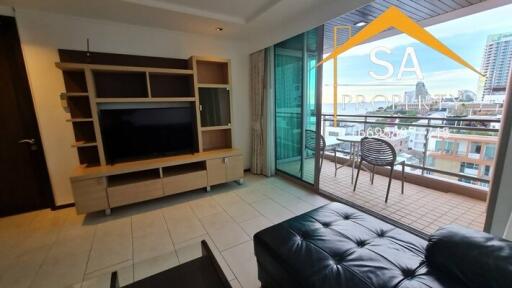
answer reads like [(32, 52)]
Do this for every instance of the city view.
[(442, 119)]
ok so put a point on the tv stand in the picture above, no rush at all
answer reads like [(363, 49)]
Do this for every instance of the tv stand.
[(106, 187)]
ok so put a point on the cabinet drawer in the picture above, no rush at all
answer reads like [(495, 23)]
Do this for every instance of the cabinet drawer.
[(90, 195), (216, 171), (234, 168), (135, 192), (185, 182)]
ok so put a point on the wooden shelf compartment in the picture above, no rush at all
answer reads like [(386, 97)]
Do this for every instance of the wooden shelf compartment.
[(74, 120), (187, 168), (216, 139), (120, 84), (74, 81), (88, 156), (211, 128), (84, 144), (75, 94), (84, 132), (165, 85), (133, 177), (212, 72), (225, 86), (79, 107), (145, 100)]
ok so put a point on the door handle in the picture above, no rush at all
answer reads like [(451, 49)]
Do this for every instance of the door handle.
[(28, 141)]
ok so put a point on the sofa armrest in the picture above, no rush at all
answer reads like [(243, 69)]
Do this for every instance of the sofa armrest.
[(477, 258)]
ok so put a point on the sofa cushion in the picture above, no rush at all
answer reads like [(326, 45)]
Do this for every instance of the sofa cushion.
[(478, 259), (338, 246)]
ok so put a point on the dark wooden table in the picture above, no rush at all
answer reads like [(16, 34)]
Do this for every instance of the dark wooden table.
[(203, 272)]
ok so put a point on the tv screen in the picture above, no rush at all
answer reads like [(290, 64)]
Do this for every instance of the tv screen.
[(131, 134)]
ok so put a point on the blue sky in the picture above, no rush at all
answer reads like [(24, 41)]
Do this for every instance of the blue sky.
[(465, 36)]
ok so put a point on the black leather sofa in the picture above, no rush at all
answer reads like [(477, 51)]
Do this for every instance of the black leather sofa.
[(338, 246)]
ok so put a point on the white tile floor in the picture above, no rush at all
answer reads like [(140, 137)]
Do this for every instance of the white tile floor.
[(62, 249)]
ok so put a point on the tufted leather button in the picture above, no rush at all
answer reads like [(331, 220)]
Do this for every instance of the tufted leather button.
[(338, 260), (361, 243), (407, 273), (326, 225), (346, 217)]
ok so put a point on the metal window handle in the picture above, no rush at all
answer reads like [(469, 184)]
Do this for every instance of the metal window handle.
[(28, 141)]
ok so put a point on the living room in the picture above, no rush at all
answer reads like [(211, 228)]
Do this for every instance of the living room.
[(200, 144)]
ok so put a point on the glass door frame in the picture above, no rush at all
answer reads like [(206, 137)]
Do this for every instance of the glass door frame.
[(305, 101)]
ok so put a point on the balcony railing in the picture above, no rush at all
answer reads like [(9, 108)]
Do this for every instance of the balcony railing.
[(420, 132)]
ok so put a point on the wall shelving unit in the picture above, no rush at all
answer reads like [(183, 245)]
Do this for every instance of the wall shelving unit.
[(205, 84)]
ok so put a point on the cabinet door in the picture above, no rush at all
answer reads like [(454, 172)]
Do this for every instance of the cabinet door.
[(234, 168), (215, 107), (90, 195), (216, 171)]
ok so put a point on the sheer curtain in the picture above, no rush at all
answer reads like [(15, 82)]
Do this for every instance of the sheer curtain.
[(262, 112)]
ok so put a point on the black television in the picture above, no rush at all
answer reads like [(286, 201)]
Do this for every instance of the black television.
[(134, 134)]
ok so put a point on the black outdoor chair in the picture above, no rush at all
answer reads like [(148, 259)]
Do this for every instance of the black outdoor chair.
[(310, 144), (379, 152)]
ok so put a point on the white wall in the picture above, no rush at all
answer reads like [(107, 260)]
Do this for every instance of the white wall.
[(43, 33)]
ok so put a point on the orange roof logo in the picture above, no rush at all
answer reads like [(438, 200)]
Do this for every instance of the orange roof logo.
[(393, 17)]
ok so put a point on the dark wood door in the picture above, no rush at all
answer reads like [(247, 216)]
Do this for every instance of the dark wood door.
[(24, 182)]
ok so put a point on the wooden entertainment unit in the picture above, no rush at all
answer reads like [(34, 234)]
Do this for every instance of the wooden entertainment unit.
[(96, 81)]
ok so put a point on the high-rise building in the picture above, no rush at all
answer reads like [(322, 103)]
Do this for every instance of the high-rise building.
[(496, 65)]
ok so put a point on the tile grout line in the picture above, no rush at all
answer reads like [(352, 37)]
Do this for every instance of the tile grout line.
[(89, 254), (175, 250)]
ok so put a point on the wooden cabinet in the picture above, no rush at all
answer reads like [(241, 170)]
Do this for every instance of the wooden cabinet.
[(225, 169), (104, 187), (234, 168), (216, 171), (185, 182), (135, 192), (90, 195)]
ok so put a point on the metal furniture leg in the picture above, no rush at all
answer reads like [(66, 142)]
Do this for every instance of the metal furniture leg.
[(389, 183)]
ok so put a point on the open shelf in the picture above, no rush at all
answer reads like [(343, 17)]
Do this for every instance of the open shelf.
[(183, 169), (84, 132), (79, 107), (211, 128), (75, 94), (164, 85), (216, 139), (212, 72), (133, 177), (74, 81), (88, 156), (215, 107), (120, 84), (84, 144), (226, 86), (144, 100), (80, 120)]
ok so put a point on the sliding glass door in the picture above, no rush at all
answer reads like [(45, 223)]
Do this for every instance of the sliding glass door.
[(295, 87)]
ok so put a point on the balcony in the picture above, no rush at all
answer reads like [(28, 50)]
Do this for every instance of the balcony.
[(445, 182)]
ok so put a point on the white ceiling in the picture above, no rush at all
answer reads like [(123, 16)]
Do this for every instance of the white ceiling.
[(266, 20), (238, 11)]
